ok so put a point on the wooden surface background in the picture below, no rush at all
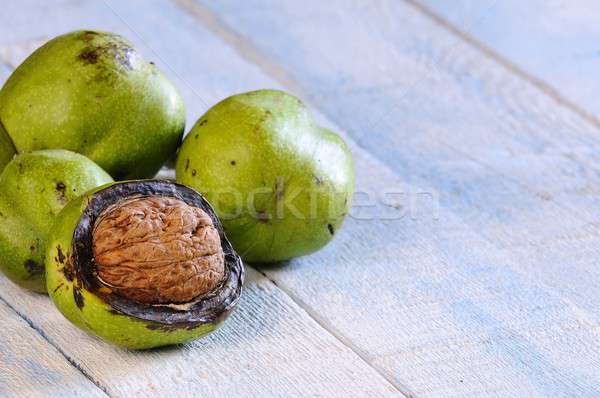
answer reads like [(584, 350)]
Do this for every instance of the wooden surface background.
[(481, 280)]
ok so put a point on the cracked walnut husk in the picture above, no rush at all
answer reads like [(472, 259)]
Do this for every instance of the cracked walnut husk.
[(143, 264)]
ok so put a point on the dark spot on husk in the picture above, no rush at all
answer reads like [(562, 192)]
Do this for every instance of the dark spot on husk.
[(33, 267), (119, 51), (21, 168), (61, 256), (89, 55), (58, 287), (34, 246), (194, 172), (79, 301), (265, 116), (60, 192), (203, 122), (68, 272), (232, 162), (263, 217), (330, 228), (318, 180), (151, 63), (187, 164)]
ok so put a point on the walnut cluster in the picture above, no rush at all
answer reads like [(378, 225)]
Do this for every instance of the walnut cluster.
[(158, 250)]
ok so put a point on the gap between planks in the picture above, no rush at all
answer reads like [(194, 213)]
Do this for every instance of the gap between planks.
[(250, 54), (511, 67), (322, 322), (70, 360)]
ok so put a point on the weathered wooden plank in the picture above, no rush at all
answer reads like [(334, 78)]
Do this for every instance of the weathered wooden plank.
[(4, 69), (31, 19), (270, 346), (439, 113), (31, 367), (555, 41)]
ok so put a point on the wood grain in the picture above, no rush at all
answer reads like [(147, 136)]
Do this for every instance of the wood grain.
[(553, 41), (268, 346), (30, 367), (512, 168)]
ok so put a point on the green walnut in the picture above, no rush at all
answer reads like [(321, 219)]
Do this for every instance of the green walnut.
[(7, 149), (34, 187), (281, 184), (93, 93), (142, 264)]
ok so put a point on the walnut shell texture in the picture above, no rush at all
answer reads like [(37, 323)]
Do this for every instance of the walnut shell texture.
[(157, 250)]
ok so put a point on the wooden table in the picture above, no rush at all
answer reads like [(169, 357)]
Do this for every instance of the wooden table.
[(480, 279)]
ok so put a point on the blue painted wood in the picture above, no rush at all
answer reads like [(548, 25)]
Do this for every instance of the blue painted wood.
[(30, 367), (514, 170), (556, 41)]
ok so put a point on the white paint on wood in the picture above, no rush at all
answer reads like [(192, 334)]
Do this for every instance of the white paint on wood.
[(30, 367), (269, 346), (438, 113), (555, 41)]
